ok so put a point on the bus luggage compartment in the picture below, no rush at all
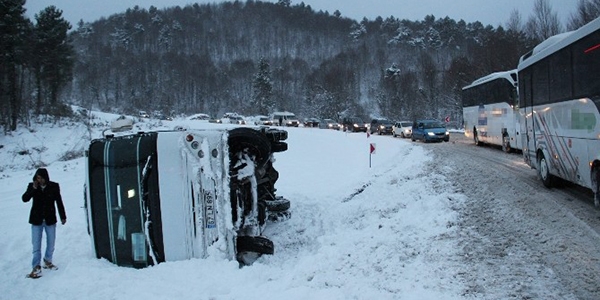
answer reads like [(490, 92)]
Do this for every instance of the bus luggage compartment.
[(164, 196)]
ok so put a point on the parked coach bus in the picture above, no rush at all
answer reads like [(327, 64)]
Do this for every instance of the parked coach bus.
[(490, 110), (559, 91)]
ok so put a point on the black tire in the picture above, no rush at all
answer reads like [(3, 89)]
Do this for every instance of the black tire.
[(280, 204), (279, 147), (257, 244), (247, 138), (544, 172), (412, 138)]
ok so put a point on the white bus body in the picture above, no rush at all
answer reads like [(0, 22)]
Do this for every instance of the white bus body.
[(559, 107), (490, 110)]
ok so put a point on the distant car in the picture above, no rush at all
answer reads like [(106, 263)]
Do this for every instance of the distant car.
[(232, 118), (429, 131), (199, 117), (329, 124), (402, 129), (354, 124), (263, 120), (237, 119), (381, 126), (311, 122), (143, 114), (160, 116)]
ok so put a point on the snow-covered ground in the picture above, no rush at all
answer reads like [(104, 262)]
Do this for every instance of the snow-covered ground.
[(357, 231)]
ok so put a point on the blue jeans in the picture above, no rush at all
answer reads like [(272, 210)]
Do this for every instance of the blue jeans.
[(36, 241)]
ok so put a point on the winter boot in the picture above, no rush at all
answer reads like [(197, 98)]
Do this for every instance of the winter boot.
[(35, 273), (49, 265)]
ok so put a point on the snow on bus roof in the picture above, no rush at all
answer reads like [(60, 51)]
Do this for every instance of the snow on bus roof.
[(503, 74), (550, 41)]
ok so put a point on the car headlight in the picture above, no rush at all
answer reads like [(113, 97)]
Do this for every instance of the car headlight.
[(430, 133), (355, 125), (447, 132)]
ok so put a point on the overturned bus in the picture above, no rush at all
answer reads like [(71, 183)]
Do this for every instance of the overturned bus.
[(153, 197)]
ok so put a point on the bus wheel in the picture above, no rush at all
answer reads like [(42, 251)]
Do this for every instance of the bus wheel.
[(506, 144), (544, 171)]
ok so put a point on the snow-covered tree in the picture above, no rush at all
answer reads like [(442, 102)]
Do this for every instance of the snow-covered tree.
[(263, 88)]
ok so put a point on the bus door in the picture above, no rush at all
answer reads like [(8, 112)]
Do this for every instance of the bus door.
[(527, 119)]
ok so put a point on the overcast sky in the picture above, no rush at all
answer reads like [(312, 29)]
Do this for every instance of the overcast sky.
[(493, 12)]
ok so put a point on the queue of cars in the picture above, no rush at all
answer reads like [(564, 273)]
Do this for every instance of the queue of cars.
[(426, 130)]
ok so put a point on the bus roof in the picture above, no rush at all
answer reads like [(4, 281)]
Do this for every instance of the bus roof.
[(557, 42), (283, 113), (504, 74)]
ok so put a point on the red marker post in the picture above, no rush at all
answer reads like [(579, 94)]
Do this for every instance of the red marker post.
[(371, 152)]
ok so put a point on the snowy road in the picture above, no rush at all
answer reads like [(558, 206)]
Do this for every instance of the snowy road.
[(542, 243)]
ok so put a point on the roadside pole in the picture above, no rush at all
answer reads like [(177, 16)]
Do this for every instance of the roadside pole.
[(371, 152)]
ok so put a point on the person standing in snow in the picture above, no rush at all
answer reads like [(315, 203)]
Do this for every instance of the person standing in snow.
[(46, 198)]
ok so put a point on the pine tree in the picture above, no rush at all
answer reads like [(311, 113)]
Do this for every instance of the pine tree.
[(13, 52), (53, 56), (263, 88)]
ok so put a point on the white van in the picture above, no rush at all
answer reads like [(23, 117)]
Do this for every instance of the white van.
[(285, 118)]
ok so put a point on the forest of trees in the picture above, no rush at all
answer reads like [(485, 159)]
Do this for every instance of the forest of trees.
[(255, 57)]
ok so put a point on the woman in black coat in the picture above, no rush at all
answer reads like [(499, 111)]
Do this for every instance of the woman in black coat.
[(46, 199)]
